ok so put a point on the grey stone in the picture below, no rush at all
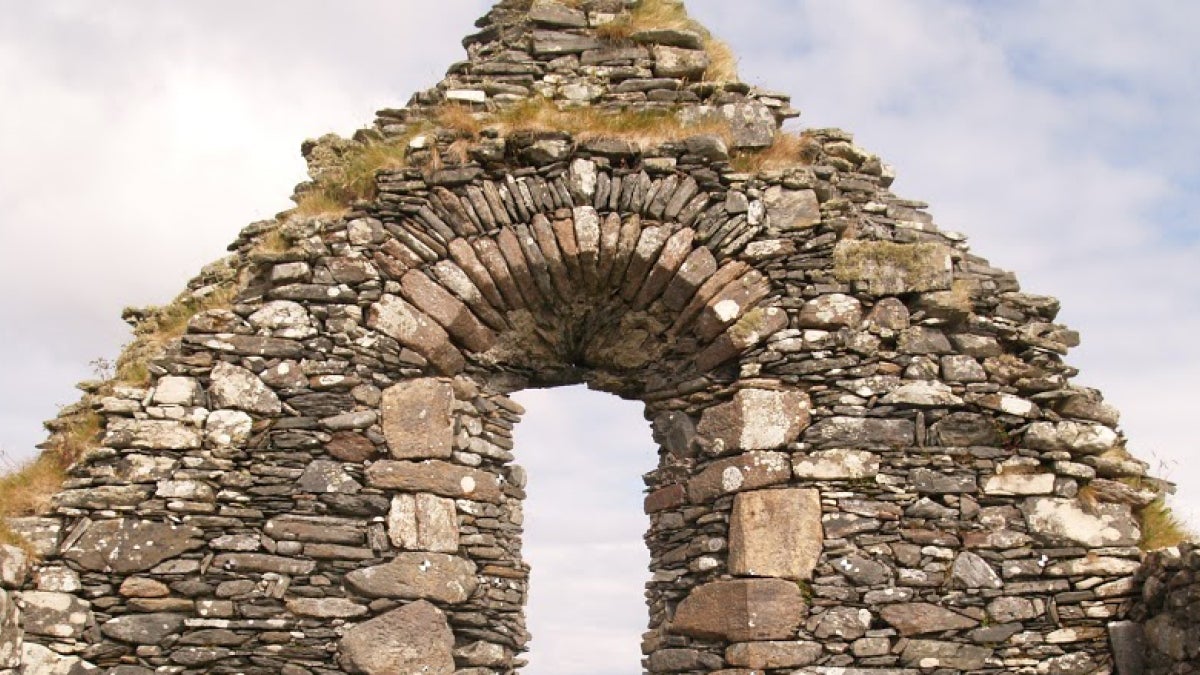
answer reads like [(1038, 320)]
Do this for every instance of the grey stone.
[(412, 639), (14, 566), (681, 63), (792, 210), (325, 608), (752, 123), (430, 576), (323, 476), (842, 623), (971, 571), (38, 660), (56, 615), (921, 618), (833, 311), (863, 571), (150, 435), (11, 635), (952, 655), (143, 629), (128, 546), (861, 432), (776, 654)]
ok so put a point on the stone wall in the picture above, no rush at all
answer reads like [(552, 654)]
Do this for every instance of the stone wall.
[(872, 459), (1163, 633)]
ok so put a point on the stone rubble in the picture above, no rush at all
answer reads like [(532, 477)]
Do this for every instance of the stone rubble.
[(873, 460)]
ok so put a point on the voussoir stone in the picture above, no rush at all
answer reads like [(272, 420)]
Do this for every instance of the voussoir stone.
[(437, 477), (776, 533), (127, 546), (741, 610), (757, 419), (412, 640), (417, 420), (430, 576)]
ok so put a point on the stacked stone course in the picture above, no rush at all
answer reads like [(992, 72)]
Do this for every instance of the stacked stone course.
[(873, 460)]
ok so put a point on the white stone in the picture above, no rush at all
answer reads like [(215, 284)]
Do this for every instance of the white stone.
[(285, 319), (38, 660), (466, 95), (173, 390), (228, 428), (1110, 525), (14, 566), (583, 177), (836, 465), (57, 579), (1019, 484), (1078, 437), (924, 393), (236, 387)]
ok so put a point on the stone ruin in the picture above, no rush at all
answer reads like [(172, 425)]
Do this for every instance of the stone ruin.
[(872, 458)]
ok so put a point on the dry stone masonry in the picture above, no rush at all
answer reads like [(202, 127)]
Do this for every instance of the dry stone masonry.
[(872, 458)]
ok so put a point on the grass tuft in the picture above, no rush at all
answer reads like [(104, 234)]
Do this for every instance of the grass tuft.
[(162, 325), (1161, 528), (319, 203), (671, 15), (788, 150)]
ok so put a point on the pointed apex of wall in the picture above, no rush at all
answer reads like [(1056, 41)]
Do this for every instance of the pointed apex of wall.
[(608, 54)]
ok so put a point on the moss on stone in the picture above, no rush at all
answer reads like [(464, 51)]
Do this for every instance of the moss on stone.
[(889, 268)]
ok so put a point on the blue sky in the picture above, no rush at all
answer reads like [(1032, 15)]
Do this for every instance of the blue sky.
[(1061, 135)]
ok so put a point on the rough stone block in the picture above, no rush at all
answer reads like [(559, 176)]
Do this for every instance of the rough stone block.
[(56, 615), (792, 210), (407, 325), (237, 388), (921, 618), (775, 654), (835, 465), (423, 522), (1067, 520), (741, 610), (955, 656), (417, 419), (885, 268), (128, 546), (776, 533), (412, 639), (430, 576), (744, 472), (436, 476), (757, 419)]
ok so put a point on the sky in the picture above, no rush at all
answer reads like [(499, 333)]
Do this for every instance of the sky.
[(138, 137)]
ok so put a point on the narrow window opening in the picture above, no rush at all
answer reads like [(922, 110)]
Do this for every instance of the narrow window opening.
[(585, 453)]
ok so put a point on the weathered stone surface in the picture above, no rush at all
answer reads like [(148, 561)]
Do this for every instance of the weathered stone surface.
[(238, 388), (749, 471), (437, 477), (325, 608), (323, 476), (38, 660), (228, 428), (776, 533), (857, 432), (143, 629), (885, 268), (752, 124), (56, 615), (921, 618), (844, 623), (11, 635), (757, 419), (14, 566), (952, 655), (972, 571), (1077, 437), (927, 394), (1019, 484), (863, 571), (417, 419), (430, 576), (681, 63), (741, 610), (409, 640), (832, 311), (259, 562), (1068, 520), (150, 435), (423, 522), (127, 546), (835, 465), (404, 323), (776, 654), (173, 390)]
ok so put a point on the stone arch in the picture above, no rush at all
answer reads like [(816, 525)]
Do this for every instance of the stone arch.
[(872, 456)]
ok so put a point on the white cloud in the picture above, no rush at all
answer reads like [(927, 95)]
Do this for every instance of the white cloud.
[(1061, 135)]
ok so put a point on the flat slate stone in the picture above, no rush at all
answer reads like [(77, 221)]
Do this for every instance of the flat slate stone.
[(920, 618), (741, 610), (143, 629), (126, 546), (410, 640), (417, 421)]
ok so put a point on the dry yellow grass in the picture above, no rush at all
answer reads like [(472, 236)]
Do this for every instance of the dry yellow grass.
[(671, 15), (787, 150), (460, 119), (1160, 527), (319, 203), (161, 326)]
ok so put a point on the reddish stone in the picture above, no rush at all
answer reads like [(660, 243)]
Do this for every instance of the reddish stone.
[(465, 256), (349, 446), (447, 310), (417, 419), (662, 499), (404, 323), (437, 477), (543, 232), (674, 252), (645, 253)]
